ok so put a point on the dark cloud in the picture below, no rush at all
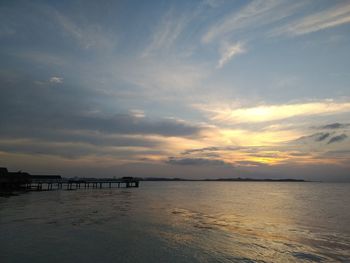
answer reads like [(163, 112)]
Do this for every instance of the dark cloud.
[(338, 138), (211, 155), (69, 121), (195, 161), (26, 106), (35, 147), (76, 136), (200, 150), (335, 125), (322, 137), (117, 124), (317, 137), (211, 149), (128, 124), (67, 150)]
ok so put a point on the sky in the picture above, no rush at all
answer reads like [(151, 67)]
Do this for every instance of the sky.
[(190, 89)]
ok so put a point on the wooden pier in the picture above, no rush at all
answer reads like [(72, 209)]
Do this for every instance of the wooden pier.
[(25, 181), (49, 185)]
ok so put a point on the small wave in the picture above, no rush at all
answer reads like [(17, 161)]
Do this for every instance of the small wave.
[(308, 256)]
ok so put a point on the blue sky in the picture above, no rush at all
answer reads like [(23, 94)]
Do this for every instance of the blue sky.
[(176, 88)]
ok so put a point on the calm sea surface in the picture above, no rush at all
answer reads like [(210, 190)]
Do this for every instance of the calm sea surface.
[(180, 222)]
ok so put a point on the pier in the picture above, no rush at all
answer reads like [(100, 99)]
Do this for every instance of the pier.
[(49, 185), (28, 182)]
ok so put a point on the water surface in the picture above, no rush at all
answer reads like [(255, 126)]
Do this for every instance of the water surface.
[(180, 222)]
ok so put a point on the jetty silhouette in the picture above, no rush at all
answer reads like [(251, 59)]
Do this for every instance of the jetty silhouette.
[(25, 181)]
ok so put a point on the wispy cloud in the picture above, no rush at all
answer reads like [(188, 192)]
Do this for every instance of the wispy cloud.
[(167, 32), (228, 51), (266, 113), (256, 14), (335, 16), (87, 35), (164, 77), (213, 3)]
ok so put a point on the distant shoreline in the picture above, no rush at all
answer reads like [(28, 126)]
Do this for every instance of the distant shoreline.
[(152, 179), (165, 179)]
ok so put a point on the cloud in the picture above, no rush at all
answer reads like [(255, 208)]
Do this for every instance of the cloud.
[(130, 124), (338, 153), (64, 135), (116, 124), (200, 150), (195, 161), (104, 103), (68, 137), (56, 80), (211, 149), (25, 105), (86, 34), (338, 138), (213, 3), (137, 113), (256, 14), (229, 51), (123, 137), (334, 126), (322, 137), (249, 163), (158, 78), (317, 137), (78, 148), (335, 16), (67, 122), (167, 32), (265, 113)]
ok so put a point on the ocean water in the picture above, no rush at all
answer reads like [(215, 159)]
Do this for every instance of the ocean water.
[(180, 222)]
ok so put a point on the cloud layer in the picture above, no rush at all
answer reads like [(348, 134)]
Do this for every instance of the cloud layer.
[(208, 88)]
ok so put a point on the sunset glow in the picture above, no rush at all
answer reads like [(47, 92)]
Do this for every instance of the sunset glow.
[(176, 89)]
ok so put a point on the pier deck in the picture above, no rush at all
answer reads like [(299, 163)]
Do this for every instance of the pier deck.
[(49, 185), (20, 180)]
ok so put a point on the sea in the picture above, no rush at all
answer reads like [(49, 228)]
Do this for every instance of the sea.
[(180, 222)]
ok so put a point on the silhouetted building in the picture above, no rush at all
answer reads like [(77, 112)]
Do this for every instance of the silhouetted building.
[(18, 180), (3, 171), (13, 180)]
